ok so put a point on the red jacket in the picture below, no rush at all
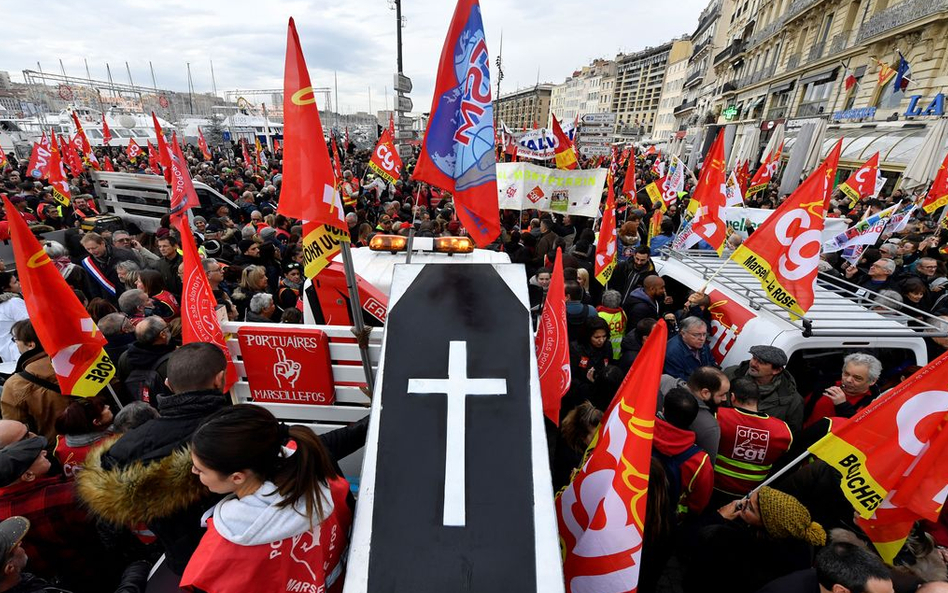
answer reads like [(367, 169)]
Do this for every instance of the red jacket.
[(697, 475), (750, 444), (825, 408), (311, 562)]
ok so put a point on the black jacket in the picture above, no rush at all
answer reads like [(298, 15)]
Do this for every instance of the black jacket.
[(169, 273), (106, 265), (144, 357)]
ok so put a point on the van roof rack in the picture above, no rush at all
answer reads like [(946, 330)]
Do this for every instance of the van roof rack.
[(840, 309)]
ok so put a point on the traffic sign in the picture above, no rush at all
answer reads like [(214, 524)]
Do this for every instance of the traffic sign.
[(402, 134), (404, 122), (402, 83), (599, 118), (403, 103)]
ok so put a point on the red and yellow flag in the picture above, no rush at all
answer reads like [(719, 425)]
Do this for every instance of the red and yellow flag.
[(309, 190), (937, 195), (565, 154), (784, 251), (106, 132), (198, 306), (628, 186), (711, 198), (601, 514), (886, 72), (891, 456), (153, 159), (862, 183), (337, 163), (743, 176), (654, 225), (84, 140), (56, 175), (552, 345), (62, 324), (606, 243), (134, 150), (202, 144), (766, 173), (385, 159)]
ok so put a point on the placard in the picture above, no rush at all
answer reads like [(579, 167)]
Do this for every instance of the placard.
[(287, 365)]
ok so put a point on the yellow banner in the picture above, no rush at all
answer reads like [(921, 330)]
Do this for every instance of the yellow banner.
[(760, 268), (59, 196), (860, 488), (606, 273), (319, 246), (95, 377), (852, 194), (929, 208), (755, 189), (381, 172), (655, 194)]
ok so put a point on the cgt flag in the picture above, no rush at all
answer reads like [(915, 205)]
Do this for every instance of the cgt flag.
[(890, 454), (564, 153), (552, 345), (711, 197), (862, 183), (309, 187), (71, 338), (183, 196), (766, 173), (385, 159), (134, 150), (628, 186), (937, 195), (458, 150), (153, 163), (601, 514), (607, 244), (199, 321), (56, 175), (784, 251), (202, 144), (107, 133)]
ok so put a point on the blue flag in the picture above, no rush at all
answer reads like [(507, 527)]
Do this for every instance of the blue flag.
[(901, 80)]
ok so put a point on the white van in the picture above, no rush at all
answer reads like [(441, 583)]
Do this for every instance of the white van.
[(144, 199), (842, 320)]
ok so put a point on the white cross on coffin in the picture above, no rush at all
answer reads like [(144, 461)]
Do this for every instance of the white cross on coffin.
[(456, 387)]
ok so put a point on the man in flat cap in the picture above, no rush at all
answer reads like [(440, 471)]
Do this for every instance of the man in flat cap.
[(778, 390)]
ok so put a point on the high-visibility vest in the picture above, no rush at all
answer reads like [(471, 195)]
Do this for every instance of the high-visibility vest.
[(617, 321), (750, 443), (347, 188)]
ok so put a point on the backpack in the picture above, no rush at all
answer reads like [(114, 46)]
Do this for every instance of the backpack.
[(672, 465), (145, 384)]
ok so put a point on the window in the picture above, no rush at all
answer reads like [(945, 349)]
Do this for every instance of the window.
[(815, 98), (888, 99), (779, 105)]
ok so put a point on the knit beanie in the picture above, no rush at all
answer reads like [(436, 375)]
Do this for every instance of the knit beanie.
[(784, 517)]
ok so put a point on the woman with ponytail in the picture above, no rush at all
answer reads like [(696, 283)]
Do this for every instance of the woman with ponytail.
[(284, 522)]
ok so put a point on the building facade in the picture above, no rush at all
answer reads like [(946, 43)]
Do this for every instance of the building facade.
[(588, 90), (675, 74), (638, 90), (521, 109)]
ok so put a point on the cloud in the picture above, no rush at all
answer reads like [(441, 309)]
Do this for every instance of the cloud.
[(354, 40)]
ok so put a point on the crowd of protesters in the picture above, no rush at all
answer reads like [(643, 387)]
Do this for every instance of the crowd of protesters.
[(177, 470)]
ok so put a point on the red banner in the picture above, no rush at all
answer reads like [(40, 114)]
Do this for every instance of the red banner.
[(606, 243), (288, 365), (164, 157), (56, 175), (601, 514), (709, 221), (385, 159), (766, 173), (69, 336), (862, 183), (106, 132), (552, 345), (202, 144), (784, 251), (153, 159), (628, 186), (134, 150), (309, 191), (183, 196), (937, 195)]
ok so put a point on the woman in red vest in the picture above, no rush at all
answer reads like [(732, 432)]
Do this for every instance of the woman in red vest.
[(81, 426), (166, 305), (284, 524)]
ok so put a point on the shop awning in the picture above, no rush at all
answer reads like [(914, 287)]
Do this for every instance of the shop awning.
[(781, 88), (826, 76)]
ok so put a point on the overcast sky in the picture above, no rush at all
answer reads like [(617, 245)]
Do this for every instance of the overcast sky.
[(355, 38)]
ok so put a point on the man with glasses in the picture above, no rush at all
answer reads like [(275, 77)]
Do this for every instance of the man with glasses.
[(689, 349), (779, 396), (146, 259)]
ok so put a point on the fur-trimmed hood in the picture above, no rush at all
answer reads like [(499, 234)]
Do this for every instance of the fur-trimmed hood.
[(139, 492)]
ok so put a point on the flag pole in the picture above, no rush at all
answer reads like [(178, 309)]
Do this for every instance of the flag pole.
[(355, 309), (714, 275), (799, 459), (411, 230)]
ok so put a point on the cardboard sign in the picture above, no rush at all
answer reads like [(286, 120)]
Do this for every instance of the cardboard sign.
[(287, 366)]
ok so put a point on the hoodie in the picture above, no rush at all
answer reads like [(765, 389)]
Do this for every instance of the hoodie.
[(639, 306), (697, 475)]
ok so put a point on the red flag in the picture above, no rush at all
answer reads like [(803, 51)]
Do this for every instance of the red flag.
[(71, 156), (39, 160), (108, 165), (106, 132), (69, 336), (601, 514), (81, 135), (248, 162), (458, 150), (385, 159), (56, 175), (628, 187), (784, 251), (153, 159), (862, 183), (183, 196), (536, 125), (850, 81), (650, 150), (891, 454), (766, 173), (743, 176), (198, 316), (202, 144), (337, 169), (164, 157), (134, 150), (709, 221), (552, 345), (937, 195), (564, 153), (606, 244), (276, 145), (309, 190)]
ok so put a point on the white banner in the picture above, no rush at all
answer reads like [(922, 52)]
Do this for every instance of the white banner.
[(525, 186), (539, 144), (865, 232)]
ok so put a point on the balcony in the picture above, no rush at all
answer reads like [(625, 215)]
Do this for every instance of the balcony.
[(685, 107), (838, 44), (736, 48), (729, 87), (706, 18), (768, 32), (798, 7), (816, 52), (899, 15), (793, 62), (693, 80), (699, 49)]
